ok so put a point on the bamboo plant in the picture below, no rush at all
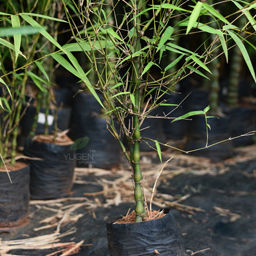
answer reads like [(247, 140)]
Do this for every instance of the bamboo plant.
[(136, 52), (22, 30)]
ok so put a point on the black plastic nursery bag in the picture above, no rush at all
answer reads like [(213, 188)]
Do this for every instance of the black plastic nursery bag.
[(51, 177), (145, 238)]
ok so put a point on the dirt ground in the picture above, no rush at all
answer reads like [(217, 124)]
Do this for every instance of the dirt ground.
[(214, 205)]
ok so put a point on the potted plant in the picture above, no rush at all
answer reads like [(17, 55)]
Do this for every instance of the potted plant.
[(17, 52), (52, 176), (131, 45)]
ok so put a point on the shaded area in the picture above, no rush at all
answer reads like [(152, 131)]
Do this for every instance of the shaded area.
[(213, 204)]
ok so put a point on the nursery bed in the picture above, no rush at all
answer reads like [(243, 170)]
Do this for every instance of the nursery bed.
[(213, 203)]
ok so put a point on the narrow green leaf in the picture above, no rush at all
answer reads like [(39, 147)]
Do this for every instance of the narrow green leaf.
[(173, 63), (181, 48), (244, 53), (199, 62), (2, 81), (132, 99), (174, 50), (24, 30), (173, 7), (214, 12), (118, 94), (37, 80), (206, 109), (17, 38), (208, 126), (247, 14), (5, 103), (114, 34), (189, 114), (42, 31), (158, 149), (40, 66), (64, 63), (44, 17), (116, 86), (194, 16), (148, 66), (198, 72), (168, 105), (166, 36), (224, 45)]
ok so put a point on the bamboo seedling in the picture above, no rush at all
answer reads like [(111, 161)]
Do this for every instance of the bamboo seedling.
[(136, 52)]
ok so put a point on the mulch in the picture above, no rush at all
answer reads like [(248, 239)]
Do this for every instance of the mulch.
[(213, 204)]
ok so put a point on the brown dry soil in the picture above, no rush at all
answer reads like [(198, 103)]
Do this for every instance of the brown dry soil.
[(221, 221)]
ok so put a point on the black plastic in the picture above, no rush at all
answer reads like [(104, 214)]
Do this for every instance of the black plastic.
[(14, 197), (145, 238), (102, 150), (220, 130), (63, 117), (51, 177), (83, 105)]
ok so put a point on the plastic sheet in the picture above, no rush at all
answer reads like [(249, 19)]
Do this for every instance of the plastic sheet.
[(243, 120), (28, 119), (145, 238), (220, 130), (83, 104), (102, 150), (51, 177), (14, 197)]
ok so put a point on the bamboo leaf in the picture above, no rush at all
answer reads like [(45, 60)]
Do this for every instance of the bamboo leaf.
[(206, 109), (23, 30), (194, 16), (158, 149), (166, 36), (244, 53), (148, 66), (224, 45), (44, 17), (181, 48), (37, 80), (116, 86), (174, 62), (211, 10), (5, 103), (189, 114), (64, 63), (197, 71), (132, 99), (114, 34), (40, 66), (2, 81), (42, 31), (17, 38), (173, 7), (247, 14), (199, 62), (118, 94)]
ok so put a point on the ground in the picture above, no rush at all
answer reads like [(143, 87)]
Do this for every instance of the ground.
[(213, 204)]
